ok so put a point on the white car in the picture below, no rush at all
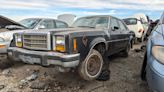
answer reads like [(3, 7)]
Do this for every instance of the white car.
[(138, 25), (9, 27)]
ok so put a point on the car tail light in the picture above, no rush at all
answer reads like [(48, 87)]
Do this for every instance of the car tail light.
[(140, 30)]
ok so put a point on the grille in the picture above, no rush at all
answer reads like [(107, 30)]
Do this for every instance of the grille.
[(36, 42)]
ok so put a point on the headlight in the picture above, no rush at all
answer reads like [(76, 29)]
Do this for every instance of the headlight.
[(2, 39), (18, 40), (59, 43), (158, 53)]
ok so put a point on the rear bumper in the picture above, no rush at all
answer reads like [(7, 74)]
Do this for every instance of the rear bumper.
[(43, 58)]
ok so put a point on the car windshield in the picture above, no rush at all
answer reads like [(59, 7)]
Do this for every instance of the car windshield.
[(29, 23), (130, 21), (91, 22)]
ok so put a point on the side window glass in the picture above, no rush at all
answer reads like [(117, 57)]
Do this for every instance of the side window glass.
[(47, 24), (122, 26), (60, 24), (114, 24)]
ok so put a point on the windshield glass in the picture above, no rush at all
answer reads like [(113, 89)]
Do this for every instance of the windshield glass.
[(29, 23), (92, 22), (130, 21)]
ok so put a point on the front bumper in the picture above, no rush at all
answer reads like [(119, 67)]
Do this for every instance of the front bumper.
[(155, 80), (3, 47), (43, 58)]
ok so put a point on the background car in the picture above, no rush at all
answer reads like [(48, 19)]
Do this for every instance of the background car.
[(153, 66), (138, 24), (84, 47), (25, 25)]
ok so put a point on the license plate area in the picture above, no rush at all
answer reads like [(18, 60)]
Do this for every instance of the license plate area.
[(30, 59)]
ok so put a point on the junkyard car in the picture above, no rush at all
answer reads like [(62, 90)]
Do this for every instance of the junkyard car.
[(153, 65), (10, 27), (138, 25), (82, 47)]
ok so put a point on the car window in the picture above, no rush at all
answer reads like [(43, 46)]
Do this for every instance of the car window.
[(48, 24), (130, 21), (114, 23), (30, 23), (122, 26), (92, 22), (60, 24)]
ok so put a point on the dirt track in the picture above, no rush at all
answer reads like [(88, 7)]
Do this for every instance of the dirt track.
[(125, 77)]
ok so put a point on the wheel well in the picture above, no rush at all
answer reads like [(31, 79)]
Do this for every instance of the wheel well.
[(100, 47)]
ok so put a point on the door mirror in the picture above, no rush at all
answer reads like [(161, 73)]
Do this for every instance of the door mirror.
[(115, 28), (41, 27)]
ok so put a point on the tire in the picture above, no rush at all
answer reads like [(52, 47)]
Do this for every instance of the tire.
[(92, 66), (135, 40), (126, 51), (143, 69)]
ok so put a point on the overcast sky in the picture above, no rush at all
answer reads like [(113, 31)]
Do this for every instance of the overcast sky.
[(19, 9)]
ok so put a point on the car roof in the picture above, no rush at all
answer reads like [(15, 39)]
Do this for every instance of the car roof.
[(45, 18), (100, 16)]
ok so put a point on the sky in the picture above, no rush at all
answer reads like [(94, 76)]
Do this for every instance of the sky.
[(20, 9)]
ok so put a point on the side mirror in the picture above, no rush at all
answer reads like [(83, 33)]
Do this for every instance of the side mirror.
[(115, 28), (41, 27)]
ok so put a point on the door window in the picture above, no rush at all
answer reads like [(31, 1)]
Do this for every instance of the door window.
[(47, 24), (114, 24), (60, 24), (122, 26)]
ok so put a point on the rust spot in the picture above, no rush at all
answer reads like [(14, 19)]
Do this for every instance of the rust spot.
[(85, 40)]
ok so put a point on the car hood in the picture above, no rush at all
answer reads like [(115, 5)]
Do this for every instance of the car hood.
[(64, 30), (6, 21), (8, 35)]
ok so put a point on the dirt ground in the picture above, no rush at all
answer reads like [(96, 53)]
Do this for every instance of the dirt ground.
[(125, 77)]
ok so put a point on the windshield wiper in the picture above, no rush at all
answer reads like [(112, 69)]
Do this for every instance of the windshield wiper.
[(86, 26)]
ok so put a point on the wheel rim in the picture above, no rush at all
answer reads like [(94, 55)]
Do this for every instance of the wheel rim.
[(93, 65)]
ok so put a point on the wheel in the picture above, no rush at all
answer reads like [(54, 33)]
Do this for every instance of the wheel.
[(91, 67), (126, 51), (135, 40), (143, 69)]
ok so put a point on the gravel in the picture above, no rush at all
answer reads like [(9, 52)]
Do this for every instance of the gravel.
[(124, 77)]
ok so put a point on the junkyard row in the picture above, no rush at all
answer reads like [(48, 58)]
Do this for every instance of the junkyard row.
[(85, 45)]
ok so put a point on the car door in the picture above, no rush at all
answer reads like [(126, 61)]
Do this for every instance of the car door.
[(125, 34), (115, 36)]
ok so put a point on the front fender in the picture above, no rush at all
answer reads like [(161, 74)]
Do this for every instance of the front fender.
[(97, 41)]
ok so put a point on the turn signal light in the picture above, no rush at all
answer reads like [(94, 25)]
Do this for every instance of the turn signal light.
[(74, 44), (2, 46)]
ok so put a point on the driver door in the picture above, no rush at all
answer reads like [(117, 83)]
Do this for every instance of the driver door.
[(115, 36)]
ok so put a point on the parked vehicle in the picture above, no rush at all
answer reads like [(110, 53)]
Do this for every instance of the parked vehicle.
[(138, 25), (82, 48), (10, 27), (153, 65)]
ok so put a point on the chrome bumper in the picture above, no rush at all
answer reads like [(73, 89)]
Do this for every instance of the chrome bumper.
[(43, 58), (3, 47)]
